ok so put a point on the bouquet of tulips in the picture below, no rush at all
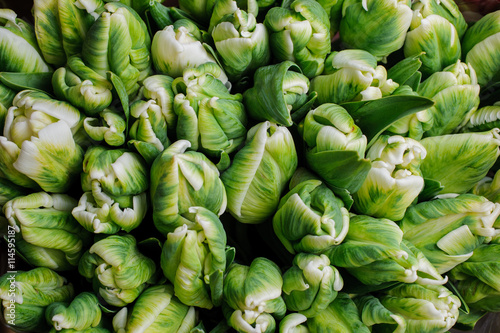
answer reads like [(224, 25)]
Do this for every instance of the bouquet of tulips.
[(254, 166)]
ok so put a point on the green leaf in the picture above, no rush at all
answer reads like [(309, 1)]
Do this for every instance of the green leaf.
[(160, 15), (405, 69), (150, 23), (340, 169), (353, 106), (22, 81), (414, 81), (464, 308), (216, 279), (301, 112), (376, 116), (122, 94), (266, 99), (466, 322), (230, 255)]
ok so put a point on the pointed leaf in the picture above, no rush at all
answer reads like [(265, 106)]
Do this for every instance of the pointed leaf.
[(414, 81), (340, 169), (230, 255), (405, 69), (377, 115), (464, 308), (122, 94), (298, 115), (22, 81)]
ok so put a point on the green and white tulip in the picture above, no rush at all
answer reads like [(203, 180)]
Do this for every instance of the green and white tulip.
[(158, 88), (115, 182), (311, 284), (118, 41), (394, 180), (157, 310), (62, 26), (108, 126), (260, 172), (448, 230), (222, 126), (280, 94), (424, 308), (34, 290), (178, 47), (117, 172), (252, 296), (211, 118), (226, 8), (82, 313), (300, 32), (38, 149), (203, 81), (383, 21), (182, 179), (352, 75), (47, 234), (468, 156), (447, 9), (476, 278), (374, 252), (335, 147), (118, 271), (194, 259), (309, 217), (242, 44), (82, 86), (455, 91), (437, 38), (20, 51), (479, 48), (153, 117)]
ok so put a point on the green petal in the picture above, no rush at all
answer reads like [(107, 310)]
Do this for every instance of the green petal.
[(438, 38), (473, 154), (378, 27), (267, 162)]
